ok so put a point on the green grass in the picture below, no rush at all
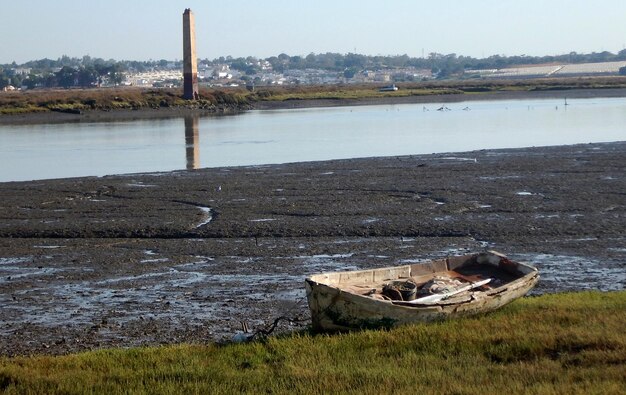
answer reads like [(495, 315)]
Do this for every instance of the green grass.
[(572, 343), (28, 109)]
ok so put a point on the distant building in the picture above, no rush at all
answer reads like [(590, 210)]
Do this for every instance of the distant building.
[(22, 71), (551, 70)]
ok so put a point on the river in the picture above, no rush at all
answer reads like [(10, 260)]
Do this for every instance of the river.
[(32, 152)]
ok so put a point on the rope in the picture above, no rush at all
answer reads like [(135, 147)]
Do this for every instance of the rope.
[(263, 333)]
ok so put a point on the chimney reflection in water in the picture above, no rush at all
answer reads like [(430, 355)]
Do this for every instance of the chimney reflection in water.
[(192, 142)]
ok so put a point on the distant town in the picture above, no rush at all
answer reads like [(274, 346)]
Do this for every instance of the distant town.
[(313, 69)]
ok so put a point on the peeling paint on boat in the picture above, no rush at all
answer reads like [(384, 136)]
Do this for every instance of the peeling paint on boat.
[(345, 300)]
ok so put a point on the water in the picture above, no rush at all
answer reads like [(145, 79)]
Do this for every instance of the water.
[(33, 152)]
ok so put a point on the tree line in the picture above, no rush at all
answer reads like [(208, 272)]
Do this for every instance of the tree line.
[(444, 65), (88, 72), (64, 72)]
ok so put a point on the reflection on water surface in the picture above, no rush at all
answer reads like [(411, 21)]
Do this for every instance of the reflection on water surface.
[(263, 137), (192, 142)]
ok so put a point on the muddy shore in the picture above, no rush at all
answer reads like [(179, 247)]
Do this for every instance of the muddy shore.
[(450, 98), (186, 256), (175, 112)]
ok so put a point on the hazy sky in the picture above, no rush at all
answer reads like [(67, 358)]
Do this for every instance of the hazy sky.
[(151, 29)]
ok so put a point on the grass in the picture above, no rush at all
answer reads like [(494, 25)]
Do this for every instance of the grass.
[(473, 87), (132, 98), (108, 99), (344, 92), (571, 343)]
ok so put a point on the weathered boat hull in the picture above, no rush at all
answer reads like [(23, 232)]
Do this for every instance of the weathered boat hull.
[(337, 305)]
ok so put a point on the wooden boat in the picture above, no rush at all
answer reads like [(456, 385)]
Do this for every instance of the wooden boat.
[(434, 290)]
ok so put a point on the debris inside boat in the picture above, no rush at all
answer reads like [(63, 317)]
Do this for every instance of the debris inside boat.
[(433, 290)]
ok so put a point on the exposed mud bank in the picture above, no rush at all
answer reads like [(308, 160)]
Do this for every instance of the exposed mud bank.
[(187, 256), (177, 112), (448, 98)]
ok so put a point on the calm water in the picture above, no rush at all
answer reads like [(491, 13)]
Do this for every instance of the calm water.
[(263, 137)]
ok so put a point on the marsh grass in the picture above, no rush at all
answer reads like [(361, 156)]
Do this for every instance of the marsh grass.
[(133, 98), (561, 343), (429, 88), (107, 99), (348, 93)]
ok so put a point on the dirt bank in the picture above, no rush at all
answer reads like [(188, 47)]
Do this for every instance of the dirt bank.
[(187, 256), (108, 116)]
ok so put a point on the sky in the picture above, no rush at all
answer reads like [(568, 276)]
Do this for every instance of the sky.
[(152, 29)]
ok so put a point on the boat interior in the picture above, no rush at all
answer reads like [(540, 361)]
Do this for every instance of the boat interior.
[(478, 272)]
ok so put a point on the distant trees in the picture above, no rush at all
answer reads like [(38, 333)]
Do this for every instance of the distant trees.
[(87, 71), (4, 79), (34, 80), (67, 77), (355, 60), (350, 72), (68, 72), (9, 77), (444, 65), (278, 65), (83, 76), (247, 66)]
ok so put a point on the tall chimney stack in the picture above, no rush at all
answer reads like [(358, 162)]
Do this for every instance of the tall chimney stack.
[(190, 59)]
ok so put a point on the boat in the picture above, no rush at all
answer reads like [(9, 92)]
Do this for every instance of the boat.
[(446, 288), (390, 88)]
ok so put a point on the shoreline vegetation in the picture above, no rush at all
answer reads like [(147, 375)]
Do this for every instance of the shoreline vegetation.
[(109, 104), (513, 349)]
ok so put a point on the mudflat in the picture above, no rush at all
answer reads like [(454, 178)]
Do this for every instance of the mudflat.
[(187, 256)]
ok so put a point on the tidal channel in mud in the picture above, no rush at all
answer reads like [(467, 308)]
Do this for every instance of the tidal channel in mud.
[(188, 255)]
